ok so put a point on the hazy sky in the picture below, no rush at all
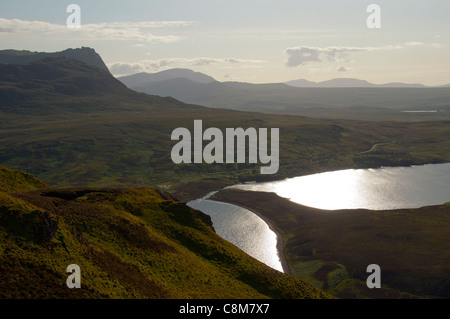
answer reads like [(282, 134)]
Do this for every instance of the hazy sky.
[(247, 40)]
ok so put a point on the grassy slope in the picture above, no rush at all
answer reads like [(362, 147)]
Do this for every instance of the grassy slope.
[(333, 248), (131, 148), (129, 243)]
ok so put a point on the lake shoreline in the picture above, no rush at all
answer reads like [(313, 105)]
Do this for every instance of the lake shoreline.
[(365, 237), (269, 223)]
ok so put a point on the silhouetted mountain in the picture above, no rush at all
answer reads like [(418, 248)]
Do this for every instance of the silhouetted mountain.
[(301, 83), (187, 90), (52, 82), (50, 76), (344, 82), (349, 83), (143, 78), (86, 55), (285, 98), (402, 85)]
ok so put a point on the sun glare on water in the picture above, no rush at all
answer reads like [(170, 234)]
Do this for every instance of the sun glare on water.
[(327, 191)]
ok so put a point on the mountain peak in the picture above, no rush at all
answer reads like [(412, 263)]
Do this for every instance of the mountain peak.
[(144, 78), (83, 54)]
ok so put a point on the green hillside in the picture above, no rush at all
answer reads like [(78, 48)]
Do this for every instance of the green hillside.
[(129, 243)]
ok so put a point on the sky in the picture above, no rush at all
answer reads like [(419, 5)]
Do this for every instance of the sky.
[(256, 41)]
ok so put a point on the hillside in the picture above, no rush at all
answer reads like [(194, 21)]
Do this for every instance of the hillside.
[(61, 84), (129, 243)]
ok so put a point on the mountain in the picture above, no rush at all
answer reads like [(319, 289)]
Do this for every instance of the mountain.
[(349, 83), (187, 90), (49, 83), (402, 85), (301, 83), (143, 78), (287, 99), (57, 75), (344, 82), (128, 243), (83, 54)]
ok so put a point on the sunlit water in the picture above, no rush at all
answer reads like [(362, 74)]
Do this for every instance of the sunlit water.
[(242, 228), (375, 189)]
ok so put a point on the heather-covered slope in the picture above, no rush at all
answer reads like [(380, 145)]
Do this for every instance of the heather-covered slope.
[(129, 243)]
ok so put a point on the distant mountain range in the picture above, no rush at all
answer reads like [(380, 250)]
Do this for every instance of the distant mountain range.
[(197, 88), (350, 83), (143, 78)]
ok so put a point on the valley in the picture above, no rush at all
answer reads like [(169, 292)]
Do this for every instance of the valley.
[(103, 147)]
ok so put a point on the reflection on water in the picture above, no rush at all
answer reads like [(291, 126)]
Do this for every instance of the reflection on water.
[(376, 189), (242, 228), (424, 111)]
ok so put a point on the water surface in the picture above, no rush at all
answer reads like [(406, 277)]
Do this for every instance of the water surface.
[(242, 228), (375, 189)]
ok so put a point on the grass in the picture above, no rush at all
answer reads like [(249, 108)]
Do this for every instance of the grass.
[(135, 243)]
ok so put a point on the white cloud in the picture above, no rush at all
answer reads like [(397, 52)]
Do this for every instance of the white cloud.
[(22, 26), (414, 44), (125, 68), (421, 44), (150, 66), (302, 55), (137, 31)]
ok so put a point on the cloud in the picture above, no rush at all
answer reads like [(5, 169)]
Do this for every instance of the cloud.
[(302, 55), (22, 26), (342, 69), (422, 44), (137, 31), (150, 66), (125, 68)]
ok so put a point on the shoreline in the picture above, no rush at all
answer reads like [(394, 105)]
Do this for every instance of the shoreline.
[(280, 242)]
